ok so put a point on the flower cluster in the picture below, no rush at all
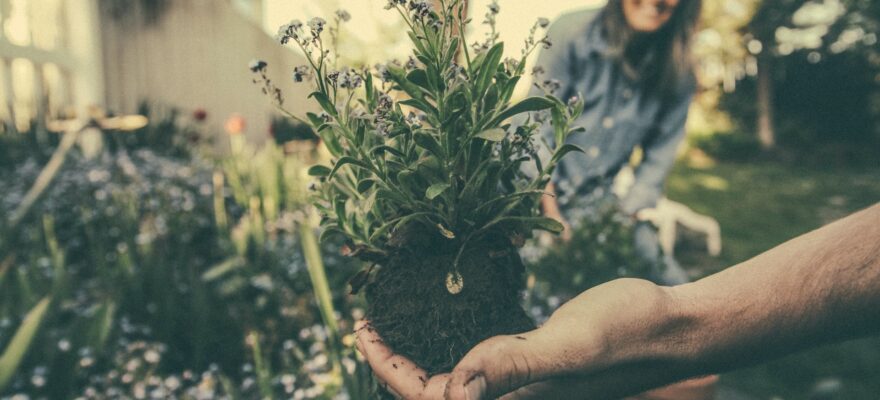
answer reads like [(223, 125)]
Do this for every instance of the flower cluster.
[(301, 73), (343, 15), (288, 31), (348, 78)]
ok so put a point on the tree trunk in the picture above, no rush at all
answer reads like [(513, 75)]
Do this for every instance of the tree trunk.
[(766, 129)]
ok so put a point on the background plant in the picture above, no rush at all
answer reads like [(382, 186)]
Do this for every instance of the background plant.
[(136, 267)]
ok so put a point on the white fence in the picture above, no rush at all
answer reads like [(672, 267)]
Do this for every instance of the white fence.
[(57, 56), (196, 56)]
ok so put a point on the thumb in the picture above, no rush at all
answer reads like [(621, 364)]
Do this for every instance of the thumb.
[(497, 366)]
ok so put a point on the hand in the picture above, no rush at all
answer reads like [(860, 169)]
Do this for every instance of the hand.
[(550, 207), (581, 352)]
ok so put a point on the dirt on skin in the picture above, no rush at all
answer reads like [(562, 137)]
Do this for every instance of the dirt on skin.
[(417, 317)]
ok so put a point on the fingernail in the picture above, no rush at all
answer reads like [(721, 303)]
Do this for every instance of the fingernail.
[(475, 388)]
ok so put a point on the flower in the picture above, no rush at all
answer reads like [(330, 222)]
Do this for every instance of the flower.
[(300, 73), (235, 124), (257, 65), (420, 8), (538, 70), (200, 114), (317, 26), (494, 8), (289, 31), (382, 71), (393, 3), (412, 63), (350, 79), (343, 15), (551, 85)]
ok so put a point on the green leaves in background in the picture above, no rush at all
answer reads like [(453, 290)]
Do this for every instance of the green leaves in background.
[(21, 341)]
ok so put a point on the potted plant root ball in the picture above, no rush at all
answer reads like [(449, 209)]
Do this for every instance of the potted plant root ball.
[(426, 184)]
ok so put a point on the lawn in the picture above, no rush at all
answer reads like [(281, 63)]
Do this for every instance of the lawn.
[(760, 205)]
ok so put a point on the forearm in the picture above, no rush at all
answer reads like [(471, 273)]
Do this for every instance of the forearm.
[(820, 287)]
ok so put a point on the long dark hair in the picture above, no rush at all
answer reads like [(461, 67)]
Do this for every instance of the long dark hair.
[(662, 59)]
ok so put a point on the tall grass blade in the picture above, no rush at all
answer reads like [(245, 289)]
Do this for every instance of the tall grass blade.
[(21, 341)]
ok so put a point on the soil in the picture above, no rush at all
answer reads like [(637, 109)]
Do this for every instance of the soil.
[(417, 317)]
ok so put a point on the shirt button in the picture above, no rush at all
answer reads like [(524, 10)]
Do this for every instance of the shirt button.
[(627, 94), (608, 122)]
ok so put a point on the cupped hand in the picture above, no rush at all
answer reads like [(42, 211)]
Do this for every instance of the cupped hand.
[(591, 347)]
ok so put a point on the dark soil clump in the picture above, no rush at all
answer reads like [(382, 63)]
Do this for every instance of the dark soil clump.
[(416, 316)]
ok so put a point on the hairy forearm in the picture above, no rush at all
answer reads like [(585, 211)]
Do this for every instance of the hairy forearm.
[(821, 287)]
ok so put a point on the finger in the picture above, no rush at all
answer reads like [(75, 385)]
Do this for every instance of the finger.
[(401, 375), (497, 366)]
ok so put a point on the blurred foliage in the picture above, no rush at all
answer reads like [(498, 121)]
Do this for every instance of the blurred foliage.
[(728, 146), (140, 11), (835, 100), (824, 59), (285, 130), (601, 249), (170, 275)]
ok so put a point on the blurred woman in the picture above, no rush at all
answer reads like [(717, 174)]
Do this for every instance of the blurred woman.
[(630, 63)]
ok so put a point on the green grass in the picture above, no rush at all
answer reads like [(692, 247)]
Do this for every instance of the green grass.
[(760, 205), (763, 204)]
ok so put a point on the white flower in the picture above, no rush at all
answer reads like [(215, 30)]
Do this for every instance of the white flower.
[(317, 26), (343, 15)]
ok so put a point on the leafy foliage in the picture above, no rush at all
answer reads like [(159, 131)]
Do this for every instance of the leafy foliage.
[(601, 249), (427, 142)]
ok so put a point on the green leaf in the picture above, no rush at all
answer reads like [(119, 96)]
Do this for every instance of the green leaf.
[(385, 228), (562, 151), (347, 160), (20, 343), (331, 141), (365, 185), (382, 148), (417, 42), (319, 170), (430, 143), (450, 52), (421, 105), (488, 68), (222, 269), (419, 77), (315, 119), (435, 190), (526, 105), (558, 120), (508, 197), (540, 223), (369, 90), (370, 201), (325, 103), (413, 90), (103, 322), (329, 230), (493, 134)]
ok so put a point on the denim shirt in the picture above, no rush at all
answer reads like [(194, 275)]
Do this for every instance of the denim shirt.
[(618, 116)]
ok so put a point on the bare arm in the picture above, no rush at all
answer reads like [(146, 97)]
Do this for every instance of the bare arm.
[(628, 335)]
